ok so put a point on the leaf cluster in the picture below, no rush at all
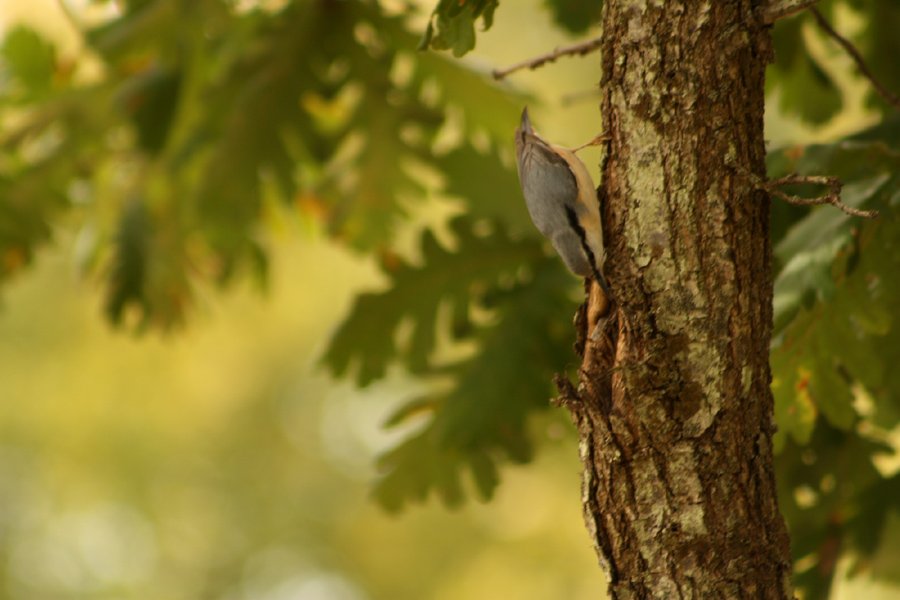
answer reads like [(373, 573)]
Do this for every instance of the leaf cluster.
[(521, 296), (803, 75), (836, 336), (206, 119)]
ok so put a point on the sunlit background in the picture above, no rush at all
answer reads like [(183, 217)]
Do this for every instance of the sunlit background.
[(221, 460)]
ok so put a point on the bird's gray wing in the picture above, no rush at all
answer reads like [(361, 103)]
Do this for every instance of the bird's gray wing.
[(548, 184)]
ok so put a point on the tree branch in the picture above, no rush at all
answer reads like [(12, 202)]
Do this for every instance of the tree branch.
[(581, 49), (779, 9), (855, 55), (833, 197)]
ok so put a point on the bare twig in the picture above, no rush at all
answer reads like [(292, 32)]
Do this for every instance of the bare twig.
[(779, 9), (833, 197), (855, 55), (582, 49)]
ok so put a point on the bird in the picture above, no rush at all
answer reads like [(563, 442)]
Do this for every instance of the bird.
[(562, 200)]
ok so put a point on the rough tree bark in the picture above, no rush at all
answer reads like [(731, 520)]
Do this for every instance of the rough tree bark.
[(674, 410)]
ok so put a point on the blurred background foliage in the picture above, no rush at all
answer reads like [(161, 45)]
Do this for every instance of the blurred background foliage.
[(201, 443)]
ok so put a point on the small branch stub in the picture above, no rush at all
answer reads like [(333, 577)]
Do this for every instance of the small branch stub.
[(833, 197), (580, 49)]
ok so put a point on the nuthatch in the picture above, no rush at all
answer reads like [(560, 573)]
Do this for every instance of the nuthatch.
[(562, 201)]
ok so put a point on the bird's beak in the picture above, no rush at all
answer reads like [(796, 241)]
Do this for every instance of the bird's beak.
[(526, 122)]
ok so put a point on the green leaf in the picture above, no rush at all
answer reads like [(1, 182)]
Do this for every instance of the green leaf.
[(482, 419), (456, 33), (863, 363), (418, 465), (452, 24), (875, 529), (807, 253), (487, 13), (493, 391), (829, 390), (26, 210), (30, 61), (805, 278), (487, 106), (413, 469), (484, 471), (576, 15), (489, 189), (824, 307), (147, 31), (151, 98), (805, 89), (822, 348), (127, 285), (147, 283), (416, 293), (795, 411), (824, 488)]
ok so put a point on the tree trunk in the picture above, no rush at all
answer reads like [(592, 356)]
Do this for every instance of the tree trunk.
[(674, 410)]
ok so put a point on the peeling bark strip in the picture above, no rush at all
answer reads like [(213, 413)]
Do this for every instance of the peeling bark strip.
[(675, 419)]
